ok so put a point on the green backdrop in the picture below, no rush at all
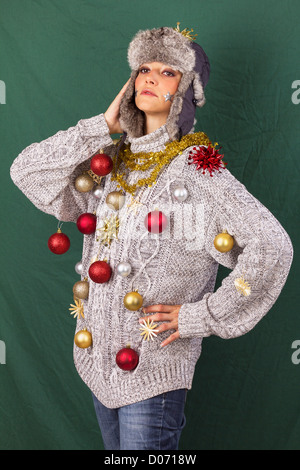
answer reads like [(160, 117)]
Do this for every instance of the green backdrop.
[(64, 60)]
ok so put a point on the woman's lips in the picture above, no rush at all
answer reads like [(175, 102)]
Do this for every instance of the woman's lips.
[(148, 93)]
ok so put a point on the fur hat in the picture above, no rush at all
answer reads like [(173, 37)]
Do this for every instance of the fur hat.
[(171, 47)]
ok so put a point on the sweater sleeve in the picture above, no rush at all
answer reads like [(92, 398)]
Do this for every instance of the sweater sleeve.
[(45, 172), (260, 263)]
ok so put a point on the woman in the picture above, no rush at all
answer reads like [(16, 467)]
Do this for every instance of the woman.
[(180, 214)]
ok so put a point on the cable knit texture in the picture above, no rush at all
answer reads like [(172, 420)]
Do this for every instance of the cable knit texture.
[(178, 266)]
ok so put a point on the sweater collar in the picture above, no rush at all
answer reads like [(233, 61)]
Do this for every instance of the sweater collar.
[(153, 142)]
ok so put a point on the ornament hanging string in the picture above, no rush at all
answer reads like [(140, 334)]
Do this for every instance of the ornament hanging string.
[(59, 226)]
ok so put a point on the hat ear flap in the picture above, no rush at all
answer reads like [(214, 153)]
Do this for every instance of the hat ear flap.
[(182, 111), (198, 91), (131, 118), (190, 94)]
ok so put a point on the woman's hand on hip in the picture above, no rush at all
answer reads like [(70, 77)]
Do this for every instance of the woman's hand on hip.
[(164, 313), (112, 113)]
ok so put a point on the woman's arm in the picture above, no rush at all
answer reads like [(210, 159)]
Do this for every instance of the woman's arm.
[(45, 172), (259, 272)]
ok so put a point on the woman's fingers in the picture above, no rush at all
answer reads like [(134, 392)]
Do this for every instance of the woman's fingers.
[(158, 317), (167, 314), (112, 113), (166, 326), (116, 102), (122, 92), (160, 308), (170, 320), (170, 338), (164, 313)]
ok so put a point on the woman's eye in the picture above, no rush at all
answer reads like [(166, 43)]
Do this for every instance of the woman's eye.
[(169, 74)]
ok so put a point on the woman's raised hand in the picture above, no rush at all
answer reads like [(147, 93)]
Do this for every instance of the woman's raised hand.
[(112, 113)]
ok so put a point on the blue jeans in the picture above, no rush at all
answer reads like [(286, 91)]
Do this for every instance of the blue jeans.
[(153, 424)]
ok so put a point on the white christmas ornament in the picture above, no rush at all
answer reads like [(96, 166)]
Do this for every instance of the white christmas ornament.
[(123, 269), (97, 191), (79, 267), (180, 193)]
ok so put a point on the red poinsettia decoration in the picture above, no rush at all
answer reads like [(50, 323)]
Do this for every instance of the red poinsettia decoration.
[(207, 158)]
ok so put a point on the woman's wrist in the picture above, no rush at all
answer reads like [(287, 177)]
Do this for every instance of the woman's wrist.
[(109, 125)]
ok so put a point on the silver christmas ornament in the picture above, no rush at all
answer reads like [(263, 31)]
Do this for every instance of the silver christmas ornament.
[(97, 191), (79, 267), (180, 193), (123, 269)]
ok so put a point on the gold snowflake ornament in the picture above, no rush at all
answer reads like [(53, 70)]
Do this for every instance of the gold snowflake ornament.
[(133, 205), (77, 309), (109, 230), (242, 286), (148, 329)]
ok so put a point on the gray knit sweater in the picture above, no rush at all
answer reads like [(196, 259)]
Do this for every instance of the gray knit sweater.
[(178, 266)]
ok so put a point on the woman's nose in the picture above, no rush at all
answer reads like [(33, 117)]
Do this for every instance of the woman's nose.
[(151, 79)]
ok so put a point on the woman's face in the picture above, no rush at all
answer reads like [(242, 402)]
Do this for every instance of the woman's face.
[(162, 81)]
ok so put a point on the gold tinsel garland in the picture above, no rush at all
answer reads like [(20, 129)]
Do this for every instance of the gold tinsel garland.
[(156, 159)]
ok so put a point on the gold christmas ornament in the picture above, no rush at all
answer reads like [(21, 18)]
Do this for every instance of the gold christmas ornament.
[(242, 286), (83, 339), (133, 300), (148, 329), (224, 242), (115, 200), (84, 183), (81, 289), (77, 309)]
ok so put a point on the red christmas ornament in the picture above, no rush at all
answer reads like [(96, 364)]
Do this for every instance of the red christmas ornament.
[(101, 164), (207, 158), (156, 221), (100, 272), (59, 243), (127, 359), (86, 223)]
